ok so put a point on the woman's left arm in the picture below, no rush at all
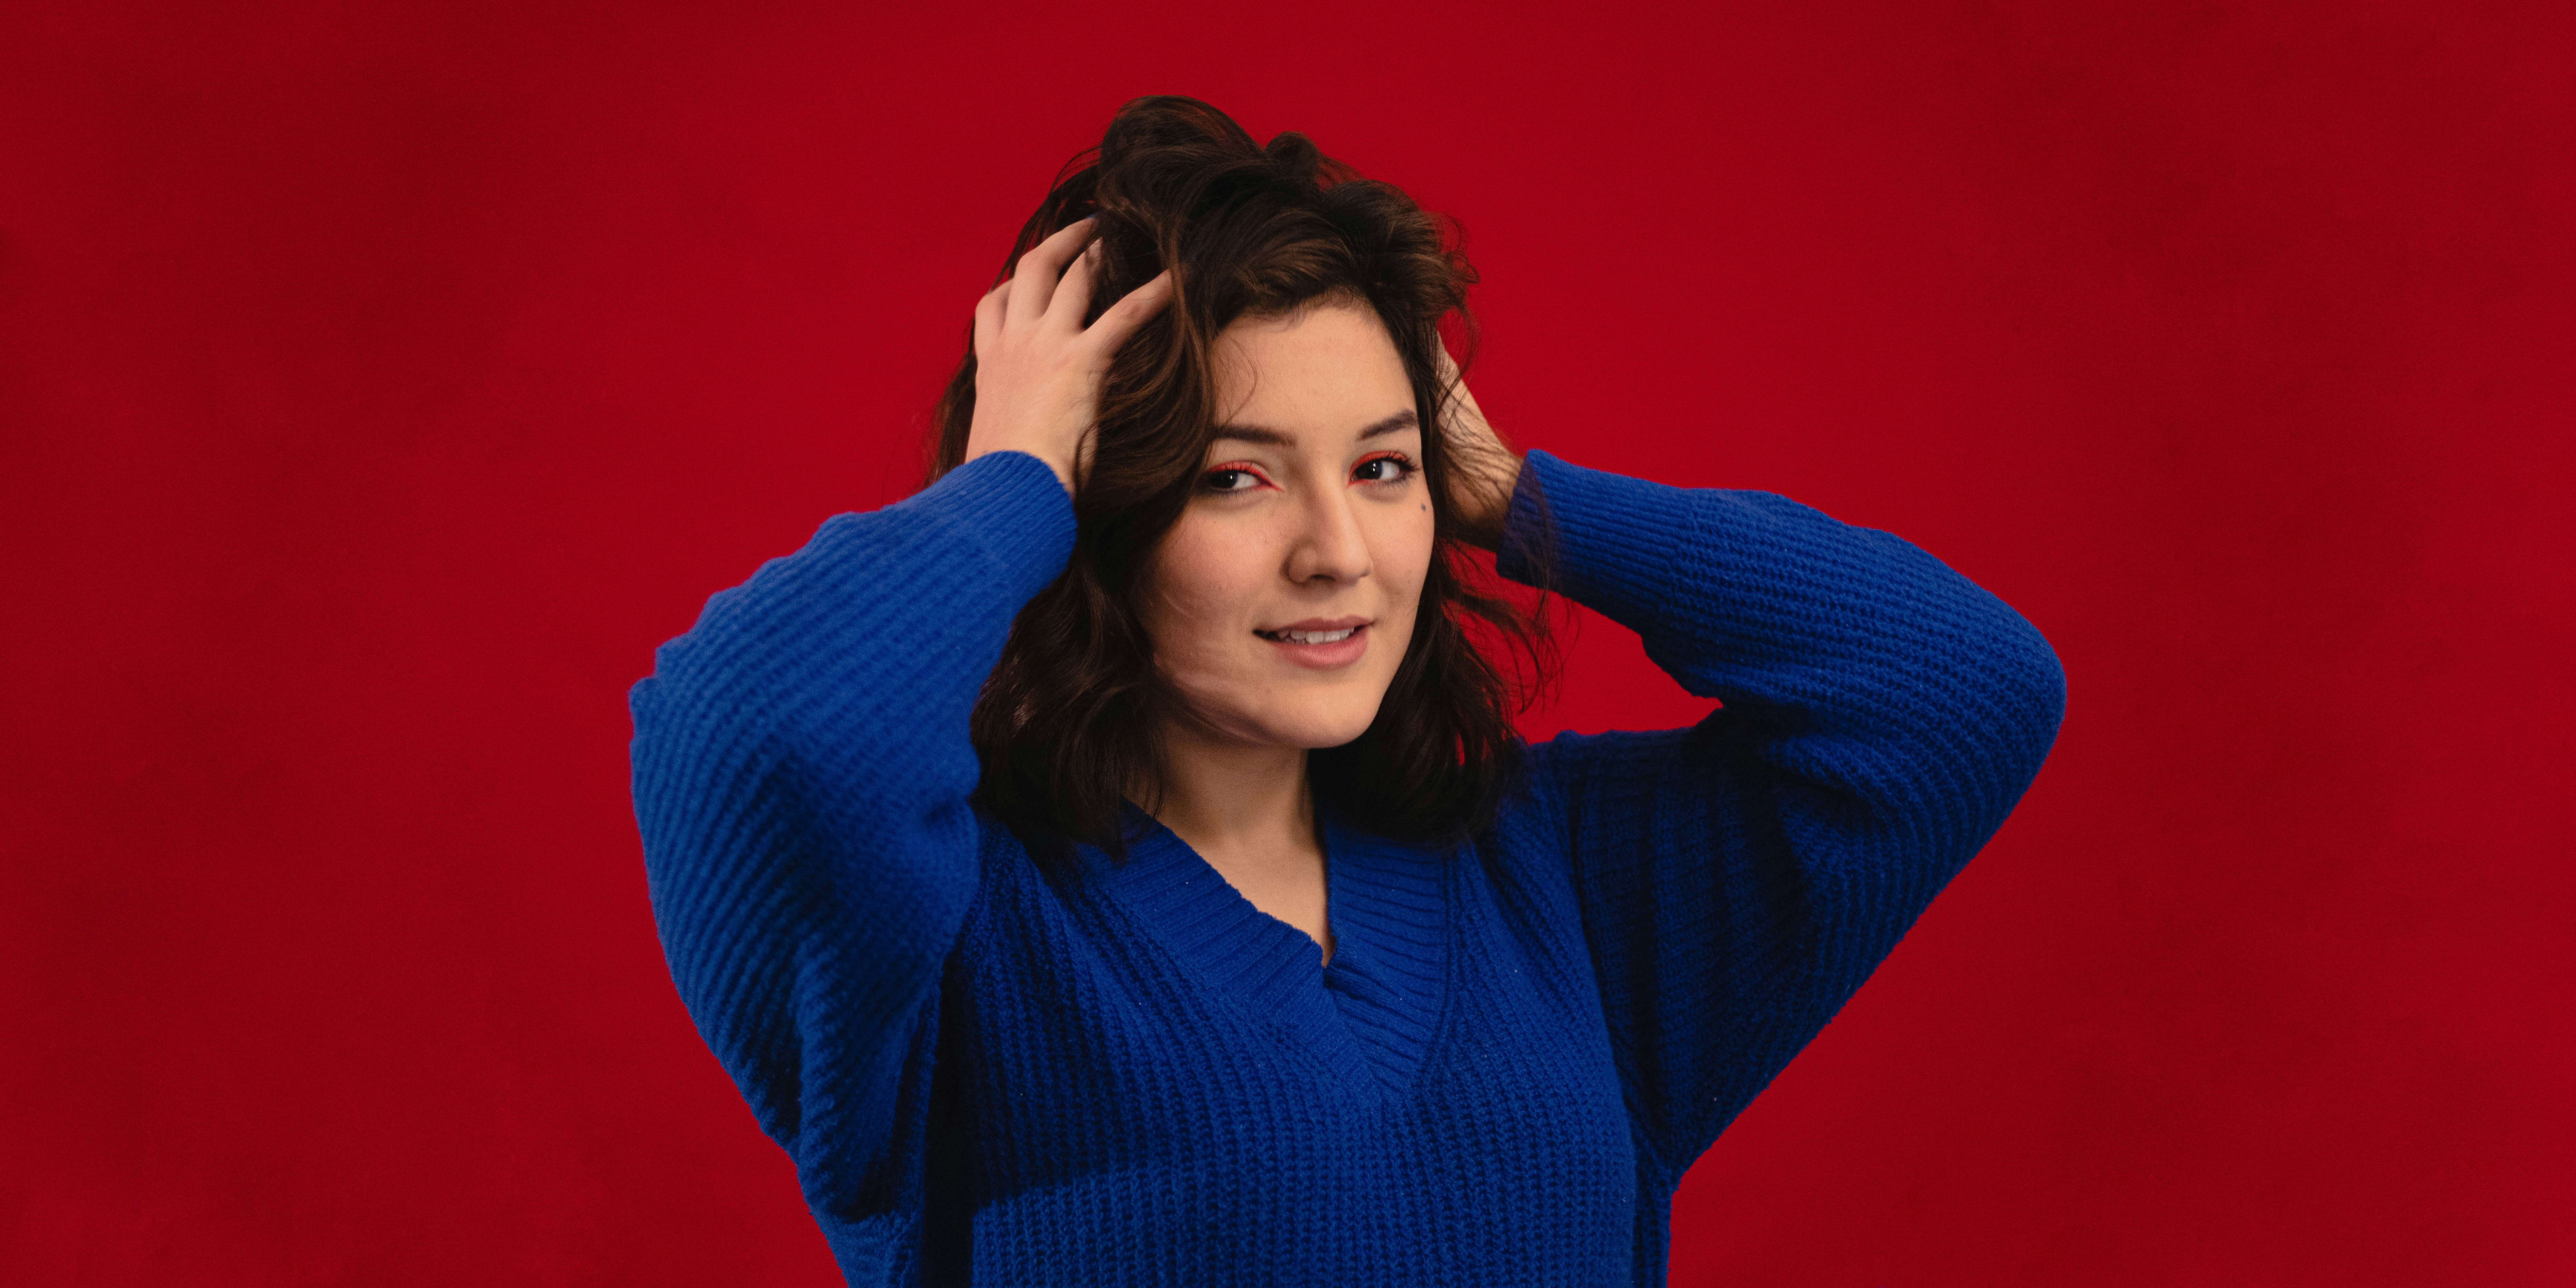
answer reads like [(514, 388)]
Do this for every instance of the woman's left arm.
[(1739, 879)]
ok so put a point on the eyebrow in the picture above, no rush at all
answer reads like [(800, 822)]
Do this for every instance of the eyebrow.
[(1396, 423)]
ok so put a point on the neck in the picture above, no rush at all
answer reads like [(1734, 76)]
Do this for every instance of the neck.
[(1235, 802)]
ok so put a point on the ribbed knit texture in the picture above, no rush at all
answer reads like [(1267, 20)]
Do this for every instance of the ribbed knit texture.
[(1113, 1073)]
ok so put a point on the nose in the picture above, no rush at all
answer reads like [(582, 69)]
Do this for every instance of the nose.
[(1329, 545)]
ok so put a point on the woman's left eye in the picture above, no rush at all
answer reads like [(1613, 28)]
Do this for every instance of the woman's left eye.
[(1391, 467)]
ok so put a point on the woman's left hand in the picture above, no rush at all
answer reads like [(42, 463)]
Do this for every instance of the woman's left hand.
[(1483, 469)]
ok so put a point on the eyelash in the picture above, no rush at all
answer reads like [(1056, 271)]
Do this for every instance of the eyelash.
[(1400, 459), (1208, 480)]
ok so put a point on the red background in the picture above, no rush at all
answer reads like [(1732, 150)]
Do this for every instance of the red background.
[(379, 385)]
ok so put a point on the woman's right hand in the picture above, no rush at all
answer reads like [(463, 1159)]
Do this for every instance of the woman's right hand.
[(1038, 370)]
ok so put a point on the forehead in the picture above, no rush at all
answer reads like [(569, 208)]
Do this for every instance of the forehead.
[(1330, 366)]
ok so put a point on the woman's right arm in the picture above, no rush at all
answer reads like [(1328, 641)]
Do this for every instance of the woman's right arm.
[(802, 771), (802, 768)]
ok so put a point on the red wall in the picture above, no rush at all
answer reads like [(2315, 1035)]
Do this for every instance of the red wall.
[(377, 387)]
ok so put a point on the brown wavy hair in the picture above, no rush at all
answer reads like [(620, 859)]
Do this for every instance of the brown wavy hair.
[(1068, 718)]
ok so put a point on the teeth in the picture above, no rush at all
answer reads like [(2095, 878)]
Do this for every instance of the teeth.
[(1316, 637)]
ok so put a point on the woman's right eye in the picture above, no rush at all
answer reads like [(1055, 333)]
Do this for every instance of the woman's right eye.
[(1232, 478)]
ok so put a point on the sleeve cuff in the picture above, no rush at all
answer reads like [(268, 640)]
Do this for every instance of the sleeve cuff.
[(1011, 506), (1605, 540)]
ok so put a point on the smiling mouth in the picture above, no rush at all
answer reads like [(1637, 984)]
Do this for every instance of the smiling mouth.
[(1309, 637)]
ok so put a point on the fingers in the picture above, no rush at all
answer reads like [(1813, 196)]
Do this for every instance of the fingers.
[(1038, 270), (1073, 294), (988, 319), (1471, 417), (1129, 313), (1005, 308), (1460, 399)]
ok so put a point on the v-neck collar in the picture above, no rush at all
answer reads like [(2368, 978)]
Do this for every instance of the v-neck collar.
[(1371, 1012)]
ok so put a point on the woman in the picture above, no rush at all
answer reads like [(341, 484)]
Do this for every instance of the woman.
[(1114, 863)]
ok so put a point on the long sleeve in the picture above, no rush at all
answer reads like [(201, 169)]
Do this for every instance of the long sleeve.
[(801, 778), (1739, 879)]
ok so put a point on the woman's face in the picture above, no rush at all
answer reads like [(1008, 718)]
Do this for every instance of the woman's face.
[(1281, 603)]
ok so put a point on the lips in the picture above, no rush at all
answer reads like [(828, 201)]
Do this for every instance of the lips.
[(1313, 630), (1321, 643), (1310, 637)]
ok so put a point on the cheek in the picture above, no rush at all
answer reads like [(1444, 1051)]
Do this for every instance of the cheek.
[(1199, 587), (1402, 555)]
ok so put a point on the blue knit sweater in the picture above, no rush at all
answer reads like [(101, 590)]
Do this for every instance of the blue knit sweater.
[(992, 1072)]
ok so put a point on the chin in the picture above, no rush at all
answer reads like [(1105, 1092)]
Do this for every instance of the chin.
[(1329, 716), (1281, 716), (1307, 730), (1323, 742), (1316, 734)]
